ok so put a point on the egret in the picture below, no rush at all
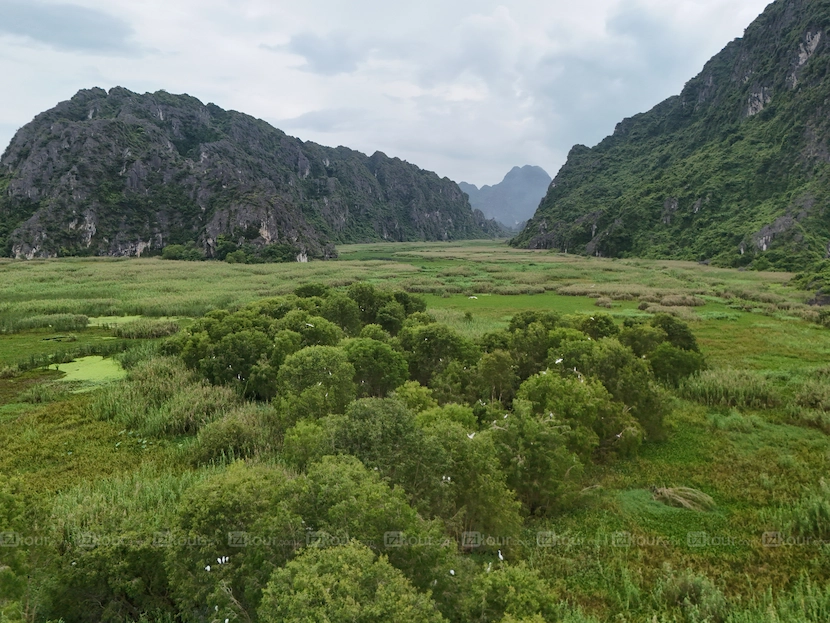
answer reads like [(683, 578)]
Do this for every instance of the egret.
[(500, 556), (207, 568), (452, 571), (471, 435), (560, 360)]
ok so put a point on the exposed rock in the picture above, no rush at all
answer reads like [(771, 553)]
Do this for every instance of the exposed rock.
[(117, 173)]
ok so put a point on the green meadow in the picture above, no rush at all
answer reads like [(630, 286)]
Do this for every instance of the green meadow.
[(106, 427)]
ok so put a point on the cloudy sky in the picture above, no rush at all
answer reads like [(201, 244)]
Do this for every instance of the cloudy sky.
[(467, 88)]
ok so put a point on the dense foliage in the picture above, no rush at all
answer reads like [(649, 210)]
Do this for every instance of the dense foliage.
[(734, 170), (346, 448)]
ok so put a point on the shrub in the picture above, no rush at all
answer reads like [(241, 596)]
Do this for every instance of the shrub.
[(671, 364), (41, 393), (697, 598), (677, 332), (683, 497)]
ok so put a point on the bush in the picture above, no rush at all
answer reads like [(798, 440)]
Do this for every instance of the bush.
[(677, 332), (694, 595), (671, 364)]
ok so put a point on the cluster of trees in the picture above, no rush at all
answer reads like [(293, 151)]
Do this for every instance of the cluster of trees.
[(230, 251), (373, 442)]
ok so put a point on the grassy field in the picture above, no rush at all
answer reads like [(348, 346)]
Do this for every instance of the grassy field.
[(757, 460)]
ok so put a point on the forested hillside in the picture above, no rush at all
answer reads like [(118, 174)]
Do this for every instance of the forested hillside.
[(735, 170)]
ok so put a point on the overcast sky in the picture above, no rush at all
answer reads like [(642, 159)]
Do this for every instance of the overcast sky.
[(467, 88)]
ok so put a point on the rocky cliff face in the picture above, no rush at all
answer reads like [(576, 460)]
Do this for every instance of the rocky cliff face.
[(513, 200), (124, 174), (736, 169)]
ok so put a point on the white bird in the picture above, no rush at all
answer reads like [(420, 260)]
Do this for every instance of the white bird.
[(452, 571), (308, 324), (560, 360), (207, 568), (471, 435), (506, 415), (489, 566), (500, 556), (474, 298)]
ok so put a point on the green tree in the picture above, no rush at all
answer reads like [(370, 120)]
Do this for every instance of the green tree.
[(346, 584), (415, 396), (320, 377), (537, 459), (494, 377), (508, 593), (245, 513), (678, 332), (343, 311), (378, 368), (430, 348), (671, 364)]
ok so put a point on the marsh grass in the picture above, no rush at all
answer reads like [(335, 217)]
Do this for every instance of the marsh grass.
[(161, 398), (55, 322), (42, 393), (143, 501), (731, 388), (146, 329), (809, 517)]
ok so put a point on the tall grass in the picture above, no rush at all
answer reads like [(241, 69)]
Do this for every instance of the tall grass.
[(161, 397), (731, 388), (146, 329), (808, 518), (56, 322), (142, 501), (105, 349), (805, 603)]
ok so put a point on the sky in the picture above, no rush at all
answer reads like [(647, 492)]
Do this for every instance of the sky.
[(466, 88)]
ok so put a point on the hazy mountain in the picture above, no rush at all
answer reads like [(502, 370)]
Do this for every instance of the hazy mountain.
[(514, 199), (735, 169), (120, 173)]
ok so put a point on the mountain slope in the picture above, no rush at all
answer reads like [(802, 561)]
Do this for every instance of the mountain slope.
[(736, 169), (123, 174), (514, 199)]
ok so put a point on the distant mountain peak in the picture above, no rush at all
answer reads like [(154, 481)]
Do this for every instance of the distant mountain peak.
[(514, 199)]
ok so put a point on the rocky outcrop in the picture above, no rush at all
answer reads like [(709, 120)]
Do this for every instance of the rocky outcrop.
[(735, 170), (118, 173)]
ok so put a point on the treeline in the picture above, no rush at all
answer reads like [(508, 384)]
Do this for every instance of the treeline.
[(234, 253), (342, 456)]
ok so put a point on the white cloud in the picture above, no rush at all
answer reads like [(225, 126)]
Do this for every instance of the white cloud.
[(468, 88)]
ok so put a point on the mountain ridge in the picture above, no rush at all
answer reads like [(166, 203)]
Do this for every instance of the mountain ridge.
[(735, 170), (119, 173)]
